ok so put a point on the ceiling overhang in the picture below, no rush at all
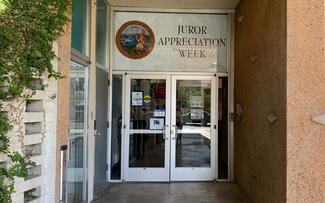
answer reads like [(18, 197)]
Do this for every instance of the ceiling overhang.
[(177, 4)]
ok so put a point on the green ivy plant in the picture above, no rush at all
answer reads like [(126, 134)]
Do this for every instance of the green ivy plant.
[(28, 29)]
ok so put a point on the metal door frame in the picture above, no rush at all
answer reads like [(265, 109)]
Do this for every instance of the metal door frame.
[(144, 174), (195, 173)]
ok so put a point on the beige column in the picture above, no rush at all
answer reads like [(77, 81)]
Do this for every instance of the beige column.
[(64, 55), (305, 99)]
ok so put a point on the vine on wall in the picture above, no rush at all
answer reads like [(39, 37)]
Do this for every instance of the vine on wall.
[(27, 32)]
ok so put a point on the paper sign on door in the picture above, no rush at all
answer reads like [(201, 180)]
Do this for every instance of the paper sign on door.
[(159, 113), (137, 98)]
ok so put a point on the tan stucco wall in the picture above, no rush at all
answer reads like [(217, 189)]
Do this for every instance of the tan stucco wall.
[(63, 95), (260, 146), (306, 98)]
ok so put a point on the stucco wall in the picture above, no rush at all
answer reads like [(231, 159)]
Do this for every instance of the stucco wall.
[(306, 98), (260, 85)]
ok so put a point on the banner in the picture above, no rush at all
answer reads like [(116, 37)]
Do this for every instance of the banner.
[(170, 42)]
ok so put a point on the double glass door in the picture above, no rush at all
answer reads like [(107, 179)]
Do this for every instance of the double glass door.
[(170, 128)]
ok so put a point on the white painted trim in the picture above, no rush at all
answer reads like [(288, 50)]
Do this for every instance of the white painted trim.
[(104, 68), (109, 130), (231, 100), (115, 181), (169, 73), (194, 173), (157, 174), (79, 57), (123, 129), (110, 94), (216, 121), (92, 102), (164, 10), (109, 148), (131, 131)]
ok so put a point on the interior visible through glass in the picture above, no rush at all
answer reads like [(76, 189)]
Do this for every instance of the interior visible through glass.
[(77, 162), (116, 127), (223, 128), (147, 123), (193, 121)]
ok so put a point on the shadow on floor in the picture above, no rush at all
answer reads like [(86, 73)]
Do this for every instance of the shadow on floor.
[(181, 192)]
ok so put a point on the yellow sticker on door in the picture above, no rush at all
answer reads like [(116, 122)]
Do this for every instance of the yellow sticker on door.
[(146, 99)]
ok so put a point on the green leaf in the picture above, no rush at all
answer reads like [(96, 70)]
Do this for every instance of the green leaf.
[(27, 32)]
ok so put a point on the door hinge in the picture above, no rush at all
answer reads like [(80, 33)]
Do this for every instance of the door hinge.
[(124, 126), (108, 82), (95, 127), (215, 126), (106, 167), (107, 124)]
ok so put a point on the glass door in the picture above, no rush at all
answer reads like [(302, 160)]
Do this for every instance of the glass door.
[(193, 128), (147, 129)]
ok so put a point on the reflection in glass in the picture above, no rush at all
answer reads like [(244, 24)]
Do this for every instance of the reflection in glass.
[(77, 173), (153, 99), (223, 128), (79, 25), (147, 121), (116, 128), (101, 31), (146, 150), (193, 121)]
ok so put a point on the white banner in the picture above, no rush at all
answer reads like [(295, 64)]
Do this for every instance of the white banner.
[(170, 42)]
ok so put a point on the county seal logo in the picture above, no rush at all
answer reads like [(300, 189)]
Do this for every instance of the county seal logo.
[(135, 39)]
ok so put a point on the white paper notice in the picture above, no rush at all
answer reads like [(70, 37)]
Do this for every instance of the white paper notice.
[(137, 98)]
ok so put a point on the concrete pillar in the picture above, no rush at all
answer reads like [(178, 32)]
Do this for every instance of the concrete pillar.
[(63, 95), (260, 86), (280, 80), (306, 99)]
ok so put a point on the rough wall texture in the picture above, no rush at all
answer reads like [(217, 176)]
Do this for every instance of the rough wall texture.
[(260, 85), (64, 56), (306, 98), (34, 124)]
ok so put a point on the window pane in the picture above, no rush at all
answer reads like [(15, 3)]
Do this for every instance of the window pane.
[(223, 128), (79, 25), (152, 95), (77, 162), (146, 150), (101, 32), (193, 120), (147, 109), (116, 138)]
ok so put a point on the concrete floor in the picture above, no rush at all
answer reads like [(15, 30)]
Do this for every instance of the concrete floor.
[(185, 192)]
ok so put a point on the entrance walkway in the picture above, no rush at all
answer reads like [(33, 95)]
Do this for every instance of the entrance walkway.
[(185, 192)]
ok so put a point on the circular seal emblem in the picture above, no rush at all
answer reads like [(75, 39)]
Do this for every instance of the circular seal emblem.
[(135, 40)]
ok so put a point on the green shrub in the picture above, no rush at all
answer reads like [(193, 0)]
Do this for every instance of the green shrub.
[(28, 29)]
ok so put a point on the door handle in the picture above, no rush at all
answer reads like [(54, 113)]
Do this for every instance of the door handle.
[(97, 133), (164, 132), (176, 128)]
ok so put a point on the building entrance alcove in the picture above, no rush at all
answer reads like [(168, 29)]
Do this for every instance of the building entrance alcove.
[(171, 96), (183, 123)]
